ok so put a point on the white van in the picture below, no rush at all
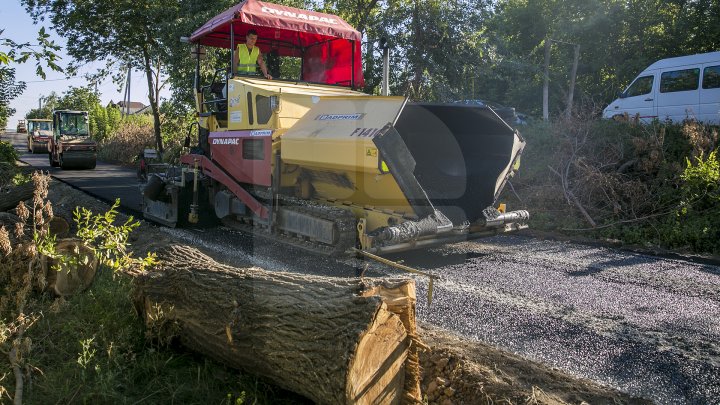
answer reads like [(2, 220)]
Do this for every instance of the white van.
[(673, 89)]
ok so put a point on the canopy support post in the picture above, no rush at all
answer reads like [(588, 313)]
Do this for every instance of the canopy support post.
[(352, 64), (232, 50)]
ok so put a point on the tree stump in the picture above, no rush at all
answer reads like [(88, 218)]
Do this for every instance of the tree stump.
[(333, 340), (74, 277)]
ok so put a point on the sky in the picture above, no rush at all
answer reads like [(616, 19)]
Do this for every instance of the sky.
[(19, 27)]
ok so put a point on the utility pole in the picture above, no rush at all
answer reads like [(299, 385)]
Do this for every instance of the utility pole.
[(126, 95), (127, 104)]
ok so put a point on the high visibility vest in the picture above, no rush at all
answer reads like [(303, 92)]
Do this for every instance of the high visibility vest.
[(247, 60)]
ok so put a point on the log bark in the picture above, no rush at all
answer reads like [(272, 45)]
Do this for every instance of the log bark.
[(333, 340), (10, 197)]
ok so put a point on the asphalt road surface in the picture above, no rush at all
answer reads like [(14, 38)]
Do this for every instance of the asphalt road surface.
[(106, 181), (647, 325)]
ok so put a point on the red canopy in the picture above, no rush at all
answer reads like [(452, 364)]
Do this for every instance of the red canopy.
[(329, 46)]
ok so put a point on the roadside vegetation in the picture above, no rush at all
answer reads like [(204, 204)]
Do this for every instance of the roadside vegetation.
[(120, 137), (90, 346), (645, 185)]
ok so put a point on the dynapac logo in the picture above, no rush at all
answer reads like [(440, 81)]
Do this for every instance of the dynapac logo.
[(298, 16), (226, 141)]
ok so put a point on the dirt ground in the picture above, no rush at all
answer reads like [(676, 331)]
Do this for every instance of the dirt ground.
[(455, 371)]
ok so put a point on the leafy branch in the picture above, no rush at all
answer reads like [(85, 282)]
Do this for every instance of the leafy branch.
[(42, 51), (108, 240)]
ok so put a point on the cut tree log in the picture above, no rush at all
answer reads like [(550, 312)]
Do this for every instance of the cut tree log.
[(10, 197), (76, 275), (332, 340)]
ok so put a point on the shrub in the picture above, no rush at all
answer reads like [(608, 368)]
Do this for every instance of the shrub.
[(104, 121), (696, 221), (7, 152), (131, 138), (8, 167), (174, 128)]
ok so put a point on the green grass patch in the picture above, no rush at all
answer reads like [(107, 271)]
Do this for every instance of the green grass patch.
[(91, 348)]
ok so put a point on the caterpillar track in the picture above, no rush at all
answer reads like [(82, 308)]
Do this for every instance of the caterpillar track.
[(344, 230)]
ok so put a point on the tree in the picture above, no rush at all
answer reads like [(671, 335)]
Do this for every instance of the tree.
[(9, 89), (50, 103), (435, 45), (617, 38), (124, 33)]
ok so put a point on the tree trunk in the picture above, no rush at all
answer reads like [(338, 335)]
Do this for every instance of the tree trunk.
[(153, 101), (333, 340), (10, 198)]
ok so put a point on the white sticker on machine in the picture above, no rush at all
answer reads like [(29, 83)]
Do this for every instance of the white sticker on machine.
[(236, 116), (261, 132)]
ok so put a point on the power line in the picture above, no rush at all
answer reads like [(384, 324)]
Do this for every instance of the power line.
[(50, 80)]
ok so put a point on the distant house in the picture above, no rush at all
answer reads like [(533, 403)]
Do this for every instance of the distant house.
[(135, 106)]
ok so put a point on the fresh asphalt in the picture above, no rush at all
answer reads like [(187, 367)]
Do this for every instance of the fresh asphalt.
[(647, 325), (106, 182)]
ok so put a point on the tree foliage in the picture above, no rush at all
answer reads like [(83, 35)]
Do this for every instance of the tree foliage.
[(440, 50), (43, 52), (617, 38), (123, 33)]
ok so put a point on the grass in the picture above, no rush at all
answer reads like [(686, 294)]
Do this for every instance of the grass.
[(91, 349)]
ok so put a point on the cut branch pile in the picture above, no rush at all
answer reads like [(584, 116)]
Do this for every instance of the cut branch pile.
[(333, 340)]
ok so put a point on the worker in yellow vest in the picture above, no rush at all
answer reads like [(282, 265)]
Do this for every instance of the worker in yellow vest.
[(248, 56)]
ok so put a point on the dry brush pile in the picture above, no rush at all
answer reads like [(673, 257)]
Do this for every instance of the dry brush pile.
[(125, 143), (24, 250), (637, 183)]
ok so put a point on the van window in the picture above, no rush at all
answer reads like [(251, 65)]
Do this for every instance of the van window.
[(679, 80), (711, 77), (643, 85)]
